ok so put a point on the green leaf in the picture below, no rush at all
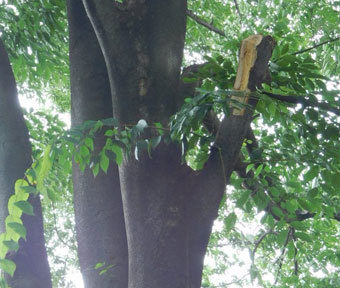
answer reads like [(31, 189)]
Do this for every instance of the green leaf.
[(11, 245), (18, 228), (29, 189), (277, 211), (119, 154), (95, 169), (245, 194), (291, 250), (110, 133), (282, 237), (84, 151), (89, 143), (311, 174), (285, 49), (8, 266), (104, 161), (25, 206), (305, 204), (229, 222), (303, 236), (159, 128), (258, 170), (298, 225), (249, 167), (44, 167), (99, 265)]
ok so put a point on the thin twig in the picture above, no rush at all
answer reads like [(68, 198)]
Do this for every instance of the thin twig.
[(238, 10), (281, 257), (258, 242), (315, 46), (296, 263), (204, 23)]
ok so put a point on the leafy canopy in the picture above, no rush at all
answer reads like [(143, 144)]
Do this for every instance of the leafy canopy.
[(284, 205)]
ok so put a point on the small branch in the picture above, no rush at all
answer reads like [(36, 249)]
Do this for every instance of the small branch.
[(258, 242), (315, 46), (281, 257), (238, 9), (211, 27), (303, 101), (296, 263)]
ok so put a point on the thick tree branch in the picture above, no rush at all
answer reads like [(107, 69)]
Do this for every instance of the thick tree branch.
[(305, 102), (315, 46), (202, 22)]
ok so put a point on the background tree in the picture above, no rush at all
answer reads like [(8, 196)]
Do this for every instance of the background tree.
[(286, 165), (32, 269)]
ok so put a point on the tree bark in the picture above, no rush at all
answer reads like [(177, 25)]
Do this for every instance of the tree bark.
[(15, 157), (98, 206)]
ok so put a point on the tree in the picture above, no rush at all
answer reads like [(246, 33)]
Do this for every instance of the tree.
[(149, 220), (32, 269)]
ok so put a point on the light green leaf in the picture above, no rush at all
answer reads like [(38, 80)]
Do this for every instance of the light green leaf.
[(95, 169), (99, 265), (258, 170), (8, 266), (44, 167), (229, 222), (249, 167), (89, 143), (18, 228)]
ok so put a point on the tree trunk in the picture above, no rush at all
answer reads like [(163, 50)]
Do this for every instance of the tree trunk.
[(169, 210), (167, 227), (15, 157), (98, 206)]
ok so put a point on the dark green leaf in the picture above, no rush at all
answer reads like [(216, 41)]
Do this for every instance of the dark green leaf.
[(25, 206)]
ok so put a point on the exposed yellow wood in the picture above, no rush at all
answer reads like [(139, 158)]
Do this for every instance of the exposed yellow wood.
[(247, 58)]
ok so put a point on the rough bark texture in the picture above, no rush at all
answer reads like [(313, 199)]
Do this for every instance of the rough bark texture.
[(169, 210), (15, 157), (99, 217)]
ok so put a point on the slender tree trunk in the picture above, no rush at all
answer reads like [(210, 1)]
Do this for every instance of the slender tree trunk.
[(98, 206), (15, 157)]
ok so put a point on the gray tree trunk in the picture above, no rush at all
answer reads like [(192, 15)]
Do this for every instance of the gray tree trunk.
[(15, 157), (100, 225), (169, 210)]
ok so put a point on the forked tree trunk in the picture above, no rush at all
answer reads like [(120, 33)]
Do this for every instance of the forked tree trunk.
[(98, 206), (15, 157), (169, 210)]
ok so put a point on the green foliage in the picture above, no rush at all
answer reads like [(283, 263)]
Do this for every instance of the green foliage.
[(36, 37), (295, 168)]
